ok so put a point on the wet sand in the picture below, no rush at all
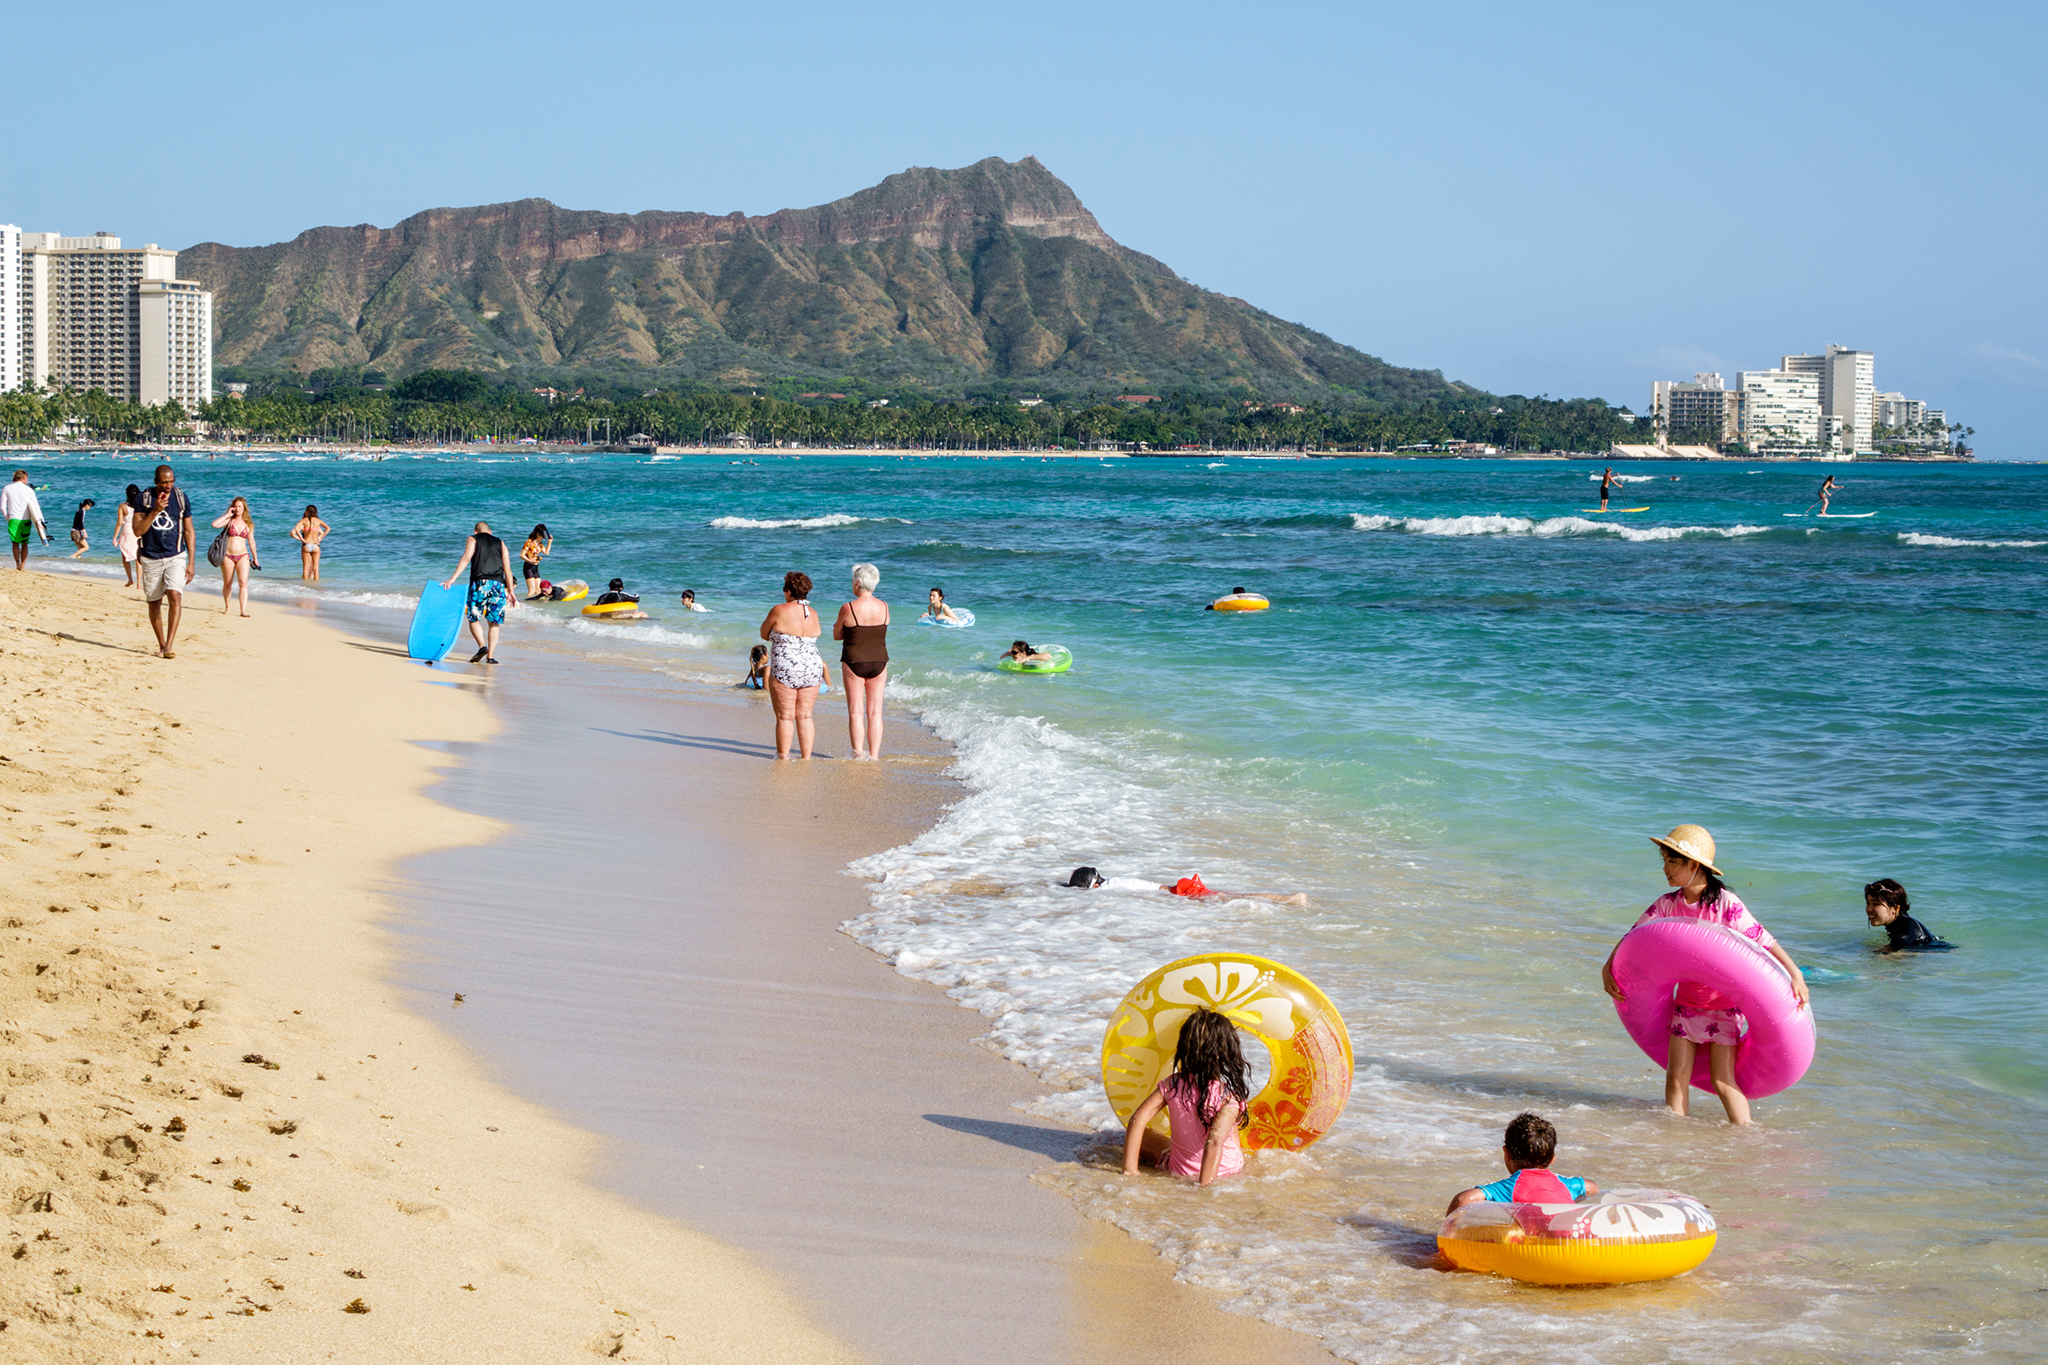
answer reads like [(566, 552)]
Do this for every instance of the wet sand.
[(655, 953)]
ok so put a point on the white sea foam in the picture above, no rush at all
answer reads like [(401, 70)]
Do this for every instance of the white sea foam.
[(640, 632), (1495, 525), (1952, 542), (799, 523)]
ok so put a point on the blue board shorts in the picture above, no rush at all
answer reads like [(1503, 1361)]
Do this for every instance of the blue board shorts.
[(487, 601)]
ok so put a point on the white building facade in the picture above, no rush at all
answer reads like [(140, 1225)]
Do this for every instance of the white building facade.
[(11, 313), (91, 314), (1781, 409)]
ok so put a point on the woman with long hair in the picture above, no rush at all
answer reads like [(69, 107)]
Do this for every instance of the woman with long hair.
[(238, 552), (124, 532), (795, 670), (863, 629), (309, 533), (537, 547)]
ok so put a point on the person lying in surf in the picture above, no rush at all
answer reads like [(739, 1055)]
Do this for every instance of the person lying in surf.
[(1886, 906), (1023, 653), (1527, 1150), (1088, 879)]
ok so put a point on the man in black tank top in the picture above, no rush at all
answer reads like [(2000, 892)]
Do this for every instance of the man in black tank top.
[(490, 590)]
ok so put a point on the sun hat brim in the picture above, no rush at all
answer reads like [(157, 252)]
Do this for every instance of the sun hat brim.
[(1663, 842)]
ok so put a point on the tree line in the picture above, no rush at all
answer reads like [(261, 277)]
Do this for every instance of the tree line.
[(451, 407)]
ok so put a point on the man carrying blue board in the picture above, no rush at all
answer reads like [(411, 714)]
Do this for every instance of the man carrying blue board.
[(490, 590)]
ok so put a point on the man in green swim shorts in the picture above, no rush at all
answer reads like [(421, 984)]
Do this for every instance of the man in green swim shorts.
[(23, 515)]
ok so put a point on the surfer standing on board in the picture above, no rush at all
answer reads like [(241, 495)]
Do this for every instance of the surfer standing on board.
[(1606, 485), (1828, 488)]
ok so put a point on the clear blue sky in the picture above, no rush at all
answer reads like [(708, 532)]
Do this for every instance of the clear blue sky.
[(1572, 199)]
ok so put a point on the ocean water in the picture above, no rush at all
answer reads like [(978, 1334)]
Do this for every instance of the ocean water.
[(1471, 703)]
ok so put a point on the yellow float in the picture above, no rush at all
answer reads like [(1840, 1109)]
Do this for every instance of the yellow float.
[(612, 609), (1240, 601), (1622, 1237), (1311, 1073)]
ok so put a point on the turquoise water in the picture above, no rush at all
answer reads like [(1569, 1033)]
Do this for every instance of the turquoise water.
[(1471, 703)]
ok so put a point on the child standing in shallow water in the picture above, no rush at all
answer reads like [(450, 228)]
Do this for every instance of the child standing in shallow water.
[(1701, 1017), (1204, 1096)]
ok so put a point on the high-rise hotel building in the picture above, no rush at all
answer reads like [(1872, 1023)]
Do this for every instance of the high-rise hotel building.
[(87, 313)]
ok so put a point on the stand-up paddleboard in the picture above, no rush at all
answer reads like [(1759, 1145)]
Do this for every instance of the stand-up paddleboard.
[(436, 622), (1603, 511), (1830, 516)]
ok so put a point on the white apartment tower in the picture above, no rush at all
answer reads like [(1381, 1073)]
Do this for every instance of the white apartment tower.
[(11, 316), (1781, 408), (94, 315), (1848, 389)]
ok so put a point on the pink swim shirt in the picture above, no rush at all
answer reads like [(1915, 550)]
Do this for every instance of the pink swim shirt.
[(1724, 910), (1191, 1133)]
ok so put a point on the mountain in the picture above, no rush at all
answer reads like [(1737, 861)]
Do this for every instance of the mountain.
[(933, 279)]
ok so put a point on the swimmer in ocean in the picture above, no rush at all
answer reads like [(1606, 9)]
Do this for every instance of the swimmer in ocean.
[(936, 608), (1023, 653), (1886, 907), (1088, 879)]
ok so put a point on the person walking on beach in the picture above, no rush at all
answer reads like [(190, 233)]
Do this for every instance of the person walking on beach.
[(795, 670), (491, 592), (24, 516), (164, 551), (78, 535), (124, 532), (863, 629), (1828, 489), (309, 533), (537, 547), (238, 551), (1700, 1016)]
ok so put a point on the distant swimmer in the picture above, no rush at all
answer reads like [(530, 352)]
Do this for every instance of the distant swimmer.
[(1886, 907), (1828, 489), (936, 608), (1088, 879), (690, 601), (1023, 653)]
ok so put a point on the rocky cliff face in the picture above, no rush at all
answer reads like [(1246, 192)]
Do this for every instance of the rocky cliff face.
[(935, 278)]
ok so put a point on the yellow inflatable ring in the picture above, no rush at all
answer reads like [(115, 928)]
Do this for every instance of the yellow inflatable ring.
[(1311, 1075), (1623, 1237), (610, 608), (1240, 601)]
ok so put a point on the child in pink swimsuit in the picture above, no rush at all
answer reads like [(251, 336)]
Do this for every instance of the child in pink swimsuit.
[(1205, 1096), (1701, 1017)]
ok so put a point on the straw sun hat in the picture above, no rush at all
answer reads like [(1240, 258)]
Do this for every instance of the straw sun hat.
[(1690, 841)]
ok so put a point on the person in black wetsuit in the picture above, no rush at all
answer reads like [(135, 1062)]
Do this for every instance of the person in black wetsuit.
[(1886, 906), (616, 592)]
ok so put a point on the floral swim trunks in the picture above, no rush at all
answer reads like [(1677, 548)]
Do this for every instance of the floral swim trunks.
[(487, 601), (1701, 1027)]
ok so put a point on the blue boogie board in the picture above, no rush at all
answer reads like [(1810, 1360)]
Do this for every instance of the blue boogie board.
[(436, 622)]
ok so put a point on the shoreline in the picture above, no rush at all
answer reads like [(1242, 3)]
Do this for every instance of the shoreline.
[(215, 1107), (761, 1075)]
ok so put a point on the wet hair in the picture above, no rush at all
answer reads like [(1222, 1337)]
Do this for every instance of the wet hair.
[(1237, 589), (689, 594), (1885, 891), (1208, 1051), (866, 576), (87, 502), (1530, 1140), (757, 653), (1087, 878), (616, 585), (311, 510), (939, 592), (797, 585), (1021, 647), (539, 532)]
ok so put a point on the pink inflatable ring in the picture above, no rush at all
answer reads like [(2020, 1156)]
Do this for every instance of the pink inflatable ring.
[(1653, 958)]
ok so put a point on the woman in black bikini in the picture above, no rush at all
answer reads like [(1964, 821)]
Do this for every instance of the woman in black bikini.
[(863, 629)]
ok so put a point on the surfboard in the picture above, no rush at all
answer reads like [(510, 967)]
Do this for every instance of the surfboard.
[(1601, 512), (1846, 516), (436, 622)]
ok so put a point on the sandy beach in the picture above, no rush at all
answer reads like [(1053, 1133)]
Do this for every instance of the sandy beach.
[(232, 1130), (224, 1136)]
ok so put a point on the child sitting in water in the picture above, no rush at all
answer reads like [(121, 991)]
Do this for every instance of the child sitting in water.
[(1886, 907), (1088, 879), (1205, 1098), (1529, 1146), (757, 668), (1701, 1017)]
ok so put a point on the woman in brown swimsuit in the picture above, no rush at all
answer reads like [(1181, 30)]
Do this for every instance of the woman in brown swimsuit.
[(863, 627)]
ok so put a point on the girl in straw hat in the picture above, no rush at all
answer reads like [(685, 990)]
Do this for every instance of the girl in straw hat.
[(1702, 1017)]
